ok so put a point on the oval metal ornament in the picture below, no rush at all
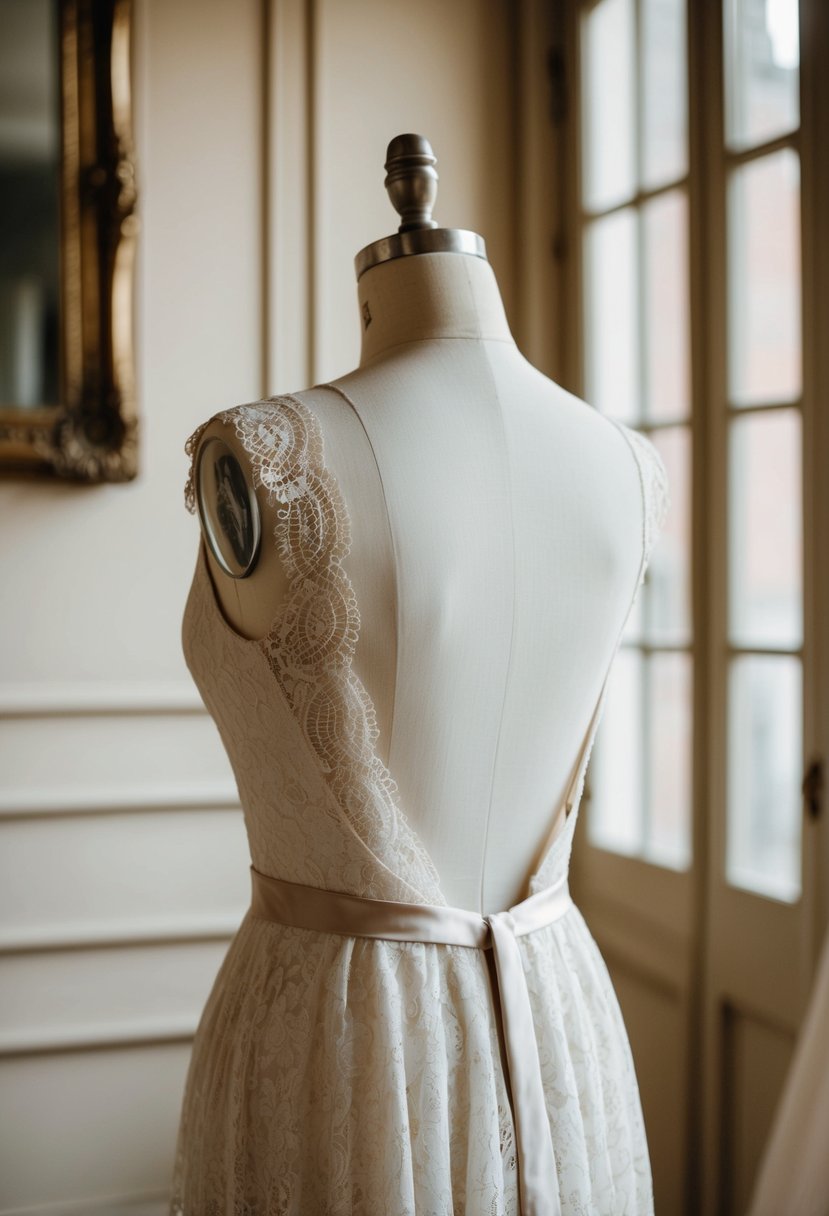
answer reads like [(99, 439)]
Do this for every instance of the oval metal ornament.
[(228, 509)]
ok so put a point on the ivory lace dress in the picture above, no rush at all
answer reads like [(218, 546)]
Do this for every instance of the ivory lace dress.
[(334, 1073)]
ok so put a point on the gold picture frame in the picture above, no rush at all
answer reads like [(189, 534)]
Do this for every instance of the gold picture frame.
[(91, 433)]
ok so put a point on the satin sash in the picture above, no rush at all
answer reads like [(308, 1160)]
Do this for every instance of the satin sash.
[(306, 907)]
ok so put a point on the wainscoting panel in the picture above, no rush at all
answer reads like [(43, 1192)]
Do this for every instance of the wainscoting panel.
[(121, 871), (756, 1057), (89, 1124), (109, 993), (656, 1018), (82, 762)]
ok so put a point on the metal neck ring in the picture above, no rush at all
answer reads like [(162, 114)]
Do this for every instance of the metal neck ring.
[(419, 240)]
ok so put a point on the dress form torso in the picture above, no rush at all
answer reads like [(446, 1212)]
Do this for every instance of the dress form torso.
[(497, 527), (413, 1016)]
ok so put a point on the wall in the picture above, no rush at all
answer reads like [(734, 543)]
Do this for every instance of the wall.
[(261, 131)]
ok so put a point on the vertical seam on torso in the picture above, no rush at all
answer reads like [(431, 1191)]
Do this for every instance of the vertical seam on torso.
[(512, 630), (395, 579)]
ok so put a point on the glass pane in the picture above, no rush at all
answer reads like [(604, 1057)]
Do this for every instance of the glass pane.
[(762, 59), (608, 99), (764, 763), (611, 316), (30, 203), (667, 590), (669, 713), (765, 513), (764, 279), (664, 92), (616, 803), (666, 329)]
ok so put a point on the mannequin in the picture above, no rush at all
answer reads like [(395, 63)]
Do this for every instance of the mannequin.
[(496, 525)]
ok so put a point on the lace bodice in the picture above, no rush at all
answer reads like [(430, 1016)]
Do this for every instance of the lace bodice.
[(309, 650)]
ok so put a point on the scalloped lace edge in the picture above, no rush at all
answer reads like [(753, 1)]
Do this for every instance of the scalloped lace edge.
[(311, 643)]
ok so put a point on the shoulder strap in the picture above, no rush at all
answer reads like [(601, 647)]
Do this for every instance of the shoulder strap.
[(259, 428), (656, 501), (190, 448), (653, 480)]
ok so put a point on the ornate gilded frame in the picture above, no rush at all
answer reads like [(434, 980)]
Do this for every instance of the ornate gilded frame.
[(91, 434)]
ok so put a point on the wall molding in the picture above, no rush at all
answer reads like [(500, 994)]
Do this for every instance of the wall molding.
[(171, 931), (152, 798), (152, 1203), (146, 1032), (99, 698)]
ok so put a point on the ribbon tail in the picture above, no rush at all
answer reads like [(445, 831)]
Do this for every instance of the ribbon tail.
[(537, 1172)]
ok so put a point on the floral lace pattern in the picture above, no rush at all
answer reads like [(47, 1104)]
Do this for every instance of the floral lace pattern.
[(347, 1076), (311, 643)]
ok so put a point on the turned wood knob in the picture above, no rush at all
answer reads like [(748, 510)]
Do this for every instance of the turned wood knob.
[(412, 181)]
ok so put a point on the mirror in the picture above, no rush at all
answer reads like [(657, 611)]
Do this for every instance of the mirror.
[(68, 231)]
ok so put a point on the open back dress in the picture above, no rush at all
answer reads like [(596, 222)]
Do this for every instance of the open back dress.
[(480, 1070)]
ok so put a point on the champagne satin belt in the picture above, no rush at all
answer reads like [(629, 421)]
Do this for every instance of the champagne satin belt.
[(306, 907)]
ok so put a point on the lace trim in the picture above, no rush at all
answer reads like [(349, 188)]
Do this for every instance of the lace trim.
[(311, 643), (656, 497)]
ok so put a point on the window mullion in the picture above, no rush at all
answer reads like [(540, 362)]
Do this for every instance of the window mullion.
[(707, 322), (814, 106)]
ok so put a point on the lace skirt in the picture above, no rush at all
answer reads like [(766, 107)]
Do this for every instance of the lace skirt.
[(345, 1076)]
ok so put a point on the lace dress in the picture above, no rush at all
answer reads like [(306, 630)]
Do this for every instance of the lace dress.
[(330, 1074)]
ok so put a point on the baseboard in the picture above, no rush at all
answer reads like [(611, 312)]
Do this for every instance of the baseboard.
[(125, 1205)]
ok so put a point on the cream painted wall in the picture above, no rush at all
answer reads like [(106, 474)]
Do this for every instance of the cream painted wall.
[(123, 865), (431, 67)]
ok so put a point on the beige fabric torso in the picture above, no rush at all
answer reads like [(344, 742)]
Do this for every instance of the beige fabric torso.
[(496, 540)]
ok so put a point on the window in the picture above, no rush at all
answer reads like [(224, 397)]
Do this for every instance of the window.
[(764, 441), (634, 224)]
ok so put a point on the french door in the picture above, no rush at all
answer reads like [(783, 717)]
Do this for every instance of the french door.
[(692, 192)]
